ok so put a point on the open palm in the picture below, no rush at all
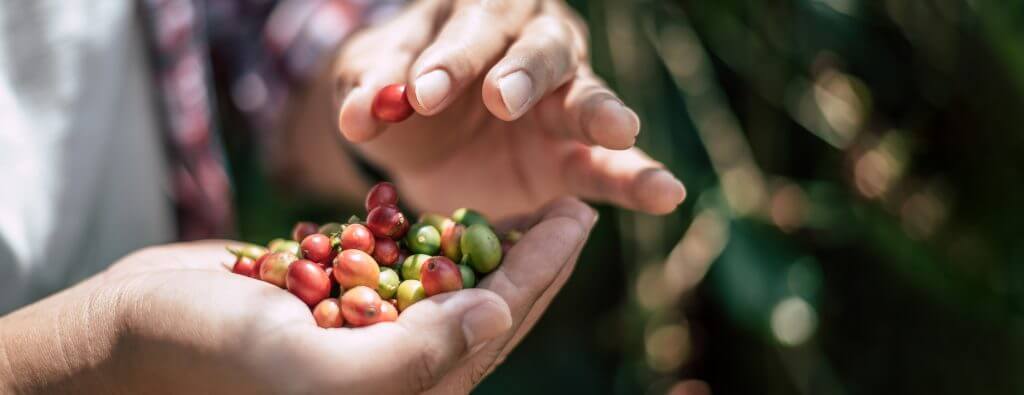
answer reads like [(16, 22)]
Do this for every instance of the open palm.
[(215, 331)]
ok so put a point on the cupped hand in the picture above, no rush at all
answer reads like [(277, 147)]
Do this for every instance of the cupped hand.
[(189, 324), (509, 113)]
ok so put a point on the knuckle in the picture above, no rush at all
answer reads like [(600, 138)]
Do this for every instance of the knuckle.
[(509, 14), (458, 62), (553, 25)]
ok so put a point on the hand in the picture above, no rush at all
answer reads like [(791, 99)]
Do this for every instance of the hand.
[(510, 113), (185, 323)]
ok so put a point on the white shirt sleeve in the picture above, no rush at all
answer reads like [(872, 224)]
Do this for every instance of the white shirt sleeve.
[(81, 162)]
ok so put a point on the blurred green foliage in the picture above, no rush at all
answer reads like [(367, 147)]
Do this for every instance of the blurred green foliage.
[(853, 220)]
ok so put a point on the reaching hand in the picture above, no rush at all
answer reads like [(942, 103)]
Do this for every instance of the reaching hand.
[(185, 323), (510, 113)]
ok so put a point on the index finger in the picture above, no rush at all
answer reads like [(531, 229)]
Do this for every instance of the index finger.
[(528, 279), (537, 266)]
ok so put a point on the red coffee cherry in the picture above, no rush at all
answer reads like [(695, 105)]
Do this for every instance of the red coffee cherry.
[(308, 281), (303, 229), (357, 237), (387, 221), (382, 194), (385, 251), (245, 266), (316, 247), (391, 105), (328, 314), (388, 312), (439, 275), (361, 306), (353, 268)]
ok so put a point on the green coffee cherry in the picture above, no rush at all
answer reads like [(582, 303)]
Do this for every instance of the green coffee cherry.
[(409, 292), (397, 267), (435, 220), (481, 248), (411, 266), (330, 229), (275, 244), (468, 277), (469, 217), (388, 284), (282, 245), (250, 251), (423, 239), (513, 236)]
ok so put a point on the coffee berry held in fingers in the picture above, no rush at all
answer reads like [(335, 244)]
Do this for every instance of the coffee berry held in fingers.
[(391, 105)]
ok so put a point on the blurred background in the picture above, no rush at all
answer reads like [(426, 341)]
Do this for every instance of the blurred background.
[(855, 183)]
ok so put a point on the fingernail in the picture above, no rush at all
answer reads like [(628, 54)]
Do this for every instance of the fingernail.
[(432, 88), (613, 125), (484, 322), (516, 89)]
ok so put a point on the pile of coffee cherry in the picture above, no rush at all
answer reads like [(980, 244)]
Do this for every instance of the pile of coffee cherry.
[(363, 272)]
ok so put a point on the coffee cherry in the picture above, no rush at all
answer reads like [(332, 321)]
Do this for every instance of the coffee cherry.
[(409, 292), (329, 262), (468, 276), (388, 312), (387, 221), (316, 247), (391, 105), (387, 285), (439, 275), (513, 236), (385, 251), (335, 288), (481, 248), (382, 194), (412, 265), (328, 313), (274, 269), (360, 306), (303, 229), (329, 229), (357, 237), (510, 239), (423, 239), (245, 266), (435, 220), (469, 217), (258, 265), (248, 250), (451, 239), (282, 245), (308, 281), (353, 268), (403, 254)]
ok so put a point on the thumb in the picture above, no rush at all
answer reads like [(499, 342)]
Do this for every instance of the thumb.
[(443, 329)]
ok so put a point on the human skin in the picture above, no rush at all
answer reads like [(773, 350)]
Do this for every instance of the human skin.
[(483, 136), (174, 319)]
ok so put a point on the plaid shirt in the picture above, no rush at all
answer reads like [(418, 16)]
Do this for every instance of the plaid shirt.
[(265, 48)]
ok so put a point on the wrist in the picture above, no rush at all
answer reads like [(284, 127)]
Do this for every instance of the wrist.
[(63, 343)]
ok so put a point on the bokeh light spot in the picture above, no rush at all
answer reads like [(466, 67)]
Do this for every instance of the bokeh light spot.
[(793, 321)]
